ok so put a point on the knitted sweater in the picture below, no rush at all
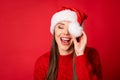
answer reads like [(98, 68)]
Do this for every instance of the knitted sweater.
[(84, 69)]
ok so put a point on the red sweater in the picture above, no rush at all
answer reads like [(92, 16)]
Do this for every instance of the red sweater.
[(65, 68)]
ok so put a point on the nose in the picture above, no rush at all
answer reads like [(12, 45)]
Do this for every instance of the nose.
[(66, 32)]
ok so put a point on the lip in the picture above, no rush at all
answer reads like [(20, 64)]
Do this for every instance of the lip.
[(65, 40)]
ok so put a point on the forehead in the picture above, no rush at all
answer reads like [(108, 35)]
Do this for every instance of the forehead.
[(63, 22)]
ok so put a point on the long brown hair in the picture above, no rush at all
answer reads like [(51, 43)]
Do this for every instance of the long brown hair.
[(53, 63)]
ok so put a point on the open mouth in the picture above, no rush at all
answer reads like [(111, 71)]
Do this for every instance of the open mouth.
[(65, 40)]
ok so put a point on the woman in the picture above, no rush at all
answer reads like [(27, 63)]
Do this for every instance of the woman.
[(69, 58)]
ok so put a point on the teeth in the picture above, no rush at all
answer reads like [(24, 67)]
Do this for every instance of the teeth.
[(65, 39)]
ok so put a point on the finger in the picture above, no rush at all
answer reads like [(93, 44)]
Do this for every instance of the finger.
[(84, 37), (79, 38), (84, 34), (74, 40)]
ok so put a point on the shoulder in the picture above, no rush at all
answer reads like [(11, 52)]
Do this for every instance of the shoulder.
[(43, 59), (41, 66), (94, 59), (91, 53)]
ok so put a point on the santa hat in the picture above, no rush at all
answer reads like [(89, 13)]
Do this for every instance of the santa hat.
[(73, 15)]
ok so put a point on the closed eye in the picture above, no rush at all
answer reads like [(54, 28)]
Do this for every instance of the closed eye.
[(60, 27)]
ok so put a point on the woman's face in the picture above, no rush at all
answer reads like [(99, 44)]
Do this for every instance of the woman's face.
[(63, 38)]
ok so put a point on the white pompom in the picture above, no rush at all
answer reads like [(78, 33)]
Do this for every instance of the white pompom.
[(75, 29)]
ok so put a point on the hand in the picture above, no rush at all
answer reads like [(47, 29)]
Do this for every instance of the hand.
[(80, 45)]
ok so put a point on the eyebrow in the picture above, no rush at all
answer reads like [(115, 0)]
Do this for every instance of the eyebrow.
[(60, 23)]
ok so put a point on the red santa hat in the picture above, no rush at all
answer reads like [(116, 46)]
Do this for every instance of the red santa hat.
[(75, 16)]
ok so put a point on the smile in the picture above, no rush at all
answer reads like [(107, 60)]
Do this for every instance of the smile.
[(65, 40)]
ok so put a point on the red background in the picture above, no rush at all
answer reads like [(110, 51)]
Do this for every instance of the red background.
[(24, 34)]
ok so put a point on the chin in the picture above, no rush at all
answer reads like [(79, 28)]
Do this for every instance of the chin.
[(67, 47)]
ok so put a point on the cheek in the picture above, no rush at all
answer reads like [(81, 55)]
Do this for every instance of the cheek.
[(57, 35), (57, 32)]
